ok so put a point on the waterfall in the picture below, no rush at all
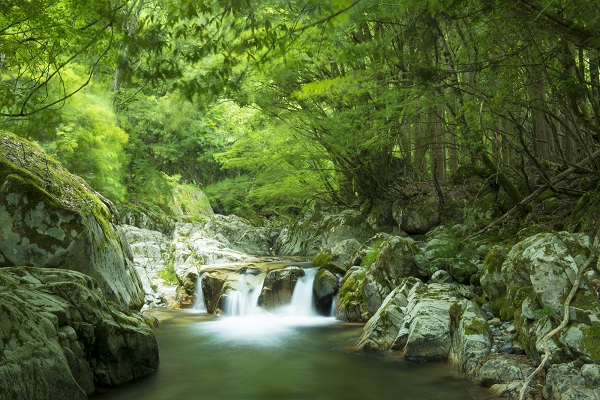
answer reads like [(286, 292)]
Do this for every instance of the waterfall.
[(242, 298), (303, 303), (200, 304)]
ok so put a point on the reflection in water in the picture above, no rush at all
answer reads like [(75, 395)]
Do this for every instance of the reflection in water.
[(270, 357)]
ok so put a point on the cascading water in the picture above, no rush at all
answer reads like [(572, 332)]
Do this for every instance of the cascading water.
[(244, 323), (242, 297), (303, 303), (200, 305)]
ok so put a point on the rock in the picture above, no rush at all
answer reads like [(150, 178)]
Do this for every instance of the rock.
[(212, 286), (51, 218), (382, 329), (323, 229), (418, 215), (426, 333), (56, 326), (530, 286), (383, 268), (569, 382), (349, 224), (504, 369), (471, 339), (149, 251), (325, 287), (278, 287), (441, 276), (216, 240), (342, 251)]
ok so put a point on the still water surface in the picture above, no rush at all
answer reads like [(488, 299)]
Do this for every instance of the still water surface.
[(281, 358)]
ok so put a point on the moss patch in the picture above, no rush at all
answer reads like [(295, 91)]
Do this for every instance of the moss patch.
[(591, 340)]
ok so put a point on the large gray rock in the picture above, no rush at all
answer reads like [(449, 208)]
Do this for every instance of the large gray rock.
[(418, 215), (364, 287), (60, 338), (149, 252), (571, 382), (216, 240), (426, 332), (323, 229), (530, 284), (381, 330), (471, 336), (51, 218)]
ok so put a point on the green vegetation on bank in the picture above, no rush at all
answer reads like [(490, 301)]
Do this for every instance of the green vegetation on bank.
[(272, 106)]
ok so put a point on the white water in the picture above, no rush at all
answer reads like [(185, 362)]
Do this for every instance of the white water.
[(245, 323), (242, 298), (200, 305), (303, 303)]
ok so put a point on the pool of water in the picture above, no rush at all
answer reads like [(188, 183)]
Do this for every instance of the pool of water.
[(269, 357)]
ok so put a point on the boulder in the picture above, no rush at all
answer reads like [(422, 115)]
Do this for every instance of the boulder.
[(573, 382), (530, 284), (426, 331), (52, 219), (500, 371), (381, 330), (418, 215), (323, 229), (383, 267), (278, 287), (325, 286), (57, 327), (471, 336)]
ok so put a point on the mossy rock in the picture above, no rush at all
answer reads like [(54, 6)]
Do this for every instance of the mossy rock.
[(51, 218)]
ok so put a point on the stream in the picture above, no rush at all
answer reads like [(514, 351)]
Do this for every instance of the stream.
[(258, 357), (288, 353)]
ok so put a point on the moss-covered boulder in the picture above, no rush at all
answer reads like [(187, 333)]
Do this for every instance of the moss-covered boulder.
[(325, 286), (417, 215), (51, 218), (61, 339), (530, 286), (382, 267)]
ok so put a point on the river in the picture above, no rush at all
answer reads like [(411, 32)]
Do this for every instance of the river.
[(281, 357)]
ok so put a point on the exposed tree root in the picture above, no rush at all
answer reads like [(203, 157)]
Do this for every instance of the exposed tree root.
[(565, 320)]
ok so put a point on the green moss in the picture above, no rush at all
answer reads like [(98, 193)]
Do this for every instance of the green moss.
[(591, 340), (476, 327), (372, 254), (323, 259), (168, 274)]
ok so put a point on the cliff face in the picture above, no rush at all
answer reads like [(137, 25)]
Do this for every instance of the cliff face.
[(51, 218)]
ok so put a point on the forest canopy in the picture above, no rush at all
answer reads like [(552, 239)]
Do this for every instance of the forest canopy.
[(273, 105)]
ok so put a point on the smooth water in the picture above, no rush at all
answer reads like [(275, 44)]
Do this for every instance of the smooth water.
[(266, 357)]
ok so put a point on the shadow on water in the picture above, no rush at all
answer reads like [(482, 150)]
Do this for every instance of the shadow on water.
[(277, 357)]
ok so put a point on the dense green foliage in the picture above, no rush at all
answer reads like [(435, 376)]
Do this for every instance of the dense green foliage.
[(272, 105)]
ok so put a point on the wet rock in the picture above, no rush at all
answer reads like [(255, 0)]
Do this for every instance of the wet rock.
[(56, 326), (504, 369), (278, 287), (426, 330), (364, 289), (471, 338), (326, 285), (149, 251)]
